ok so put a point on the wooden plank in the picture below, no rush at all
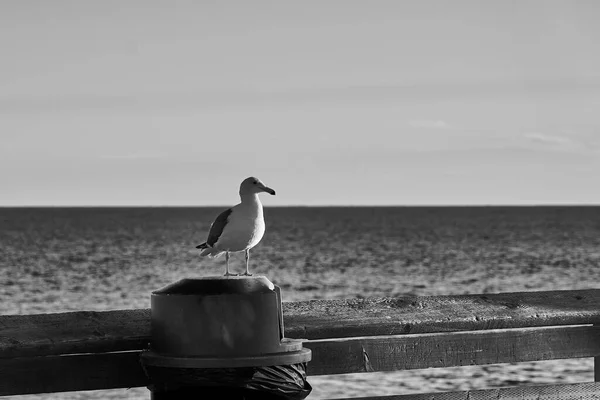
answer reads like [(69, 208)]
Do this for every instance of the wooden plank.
[(321, 319), (400, 352), (597, 364), (576, 391), (366, 354), (70, 373), (86, 332), (74, 332)]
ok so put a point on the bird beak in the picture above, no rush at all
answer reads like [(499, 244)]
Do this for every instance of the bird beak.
[(268, 190)]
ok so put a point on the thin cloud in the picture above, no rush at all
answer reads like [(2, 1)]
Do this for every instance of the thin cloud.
[(429, 124), (538, 137), (567, 142), (143, 155)]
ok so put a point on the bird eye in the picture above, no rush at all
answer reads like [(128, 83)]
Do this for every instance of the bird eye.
[(255, 182)]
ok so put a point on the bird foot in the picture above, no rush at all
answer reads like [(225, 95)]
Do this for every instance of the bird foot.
[(246, 274), (230, 274)]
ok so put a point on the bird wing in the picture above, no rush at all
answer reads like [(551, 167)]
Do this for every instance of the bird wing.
[(217, 227)]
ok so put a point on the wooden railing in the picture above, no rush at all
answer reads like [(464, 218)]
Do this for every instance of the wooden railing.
[(100, 350)]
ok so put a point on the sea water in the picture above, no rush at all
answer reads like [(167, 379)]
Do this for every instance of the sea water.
[(67, 259)]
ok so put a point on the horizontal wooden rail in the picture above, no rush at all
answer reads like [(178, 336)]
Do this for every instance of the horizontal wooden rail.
[(576, 391), (439, 350), (109, 331), (51, 374), (40, 374)]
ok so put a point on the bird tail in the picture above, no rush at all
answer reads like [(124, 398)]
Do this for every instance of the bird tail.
[(209, 251)]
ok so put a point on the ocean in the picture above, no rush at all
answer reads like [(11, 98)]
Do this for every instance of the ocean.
[(66, 259)]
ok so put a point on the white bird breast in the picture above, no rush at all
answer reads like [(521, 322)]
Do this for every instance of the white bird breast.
[(242, 233)]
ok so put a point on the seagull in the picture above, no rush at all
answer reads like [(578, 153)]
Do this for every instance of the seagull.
[(240, 227)]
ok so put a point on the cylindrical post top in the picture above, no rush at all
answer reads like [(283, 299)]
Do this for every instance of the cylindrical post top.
[(219, 322), (218, 285)]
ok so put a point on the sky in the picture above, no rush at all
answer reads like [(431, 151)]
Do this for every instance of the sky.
[(329, 102)]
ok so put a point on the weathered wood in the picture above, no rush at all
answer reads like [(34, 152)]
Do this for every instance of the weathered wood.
[(438, 350), (74, 332), (597, 364), (321, 319), (576, 391), (71, 373), (333, 356), (86, 332)]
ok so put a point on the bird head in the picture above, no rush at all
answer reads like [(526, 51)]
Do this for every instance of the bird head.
[(254, 185)]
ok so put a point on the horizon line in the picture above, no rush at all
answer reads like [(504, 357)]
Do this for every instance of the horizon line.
[(311, 206)]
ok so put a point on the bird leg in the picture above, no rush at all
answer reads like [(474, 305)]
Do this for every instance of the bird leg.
[(247, 273), (227, 265)]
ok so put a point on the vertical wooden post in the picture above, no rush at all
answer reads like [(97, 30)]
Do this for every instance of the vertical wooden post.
[(597, 362)]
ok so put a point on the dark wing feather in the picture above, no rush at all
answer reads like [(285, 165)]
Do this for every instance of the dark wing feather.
[(216, 229)]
